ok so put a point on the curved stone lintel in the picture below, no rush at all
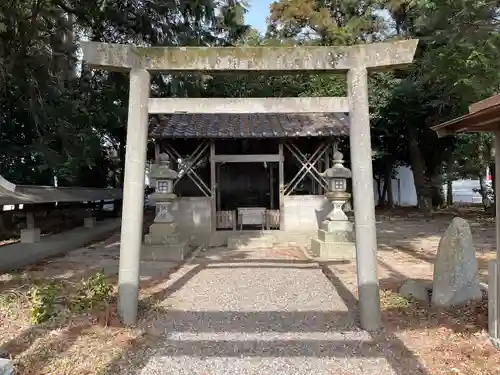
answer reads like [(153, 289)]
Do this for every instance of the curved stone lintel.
[(374, 56)]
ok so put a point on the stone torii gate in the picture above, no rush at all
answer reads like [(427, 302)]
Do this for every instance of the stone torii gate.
[(357, 61)]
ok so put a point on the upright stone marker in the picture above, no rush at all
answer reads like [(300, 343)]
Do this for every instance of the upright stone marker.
[(355, 60), (456, 270)]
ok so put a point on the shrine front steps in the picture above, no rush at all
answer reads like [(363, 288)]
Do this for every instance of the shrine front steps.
[(250, 241)]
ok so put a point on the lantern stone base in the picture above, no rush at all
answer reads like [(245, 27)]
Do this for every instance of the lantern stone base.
[(30, 235), (165, 252), (164, 243), (333, 250), (159, 230), (335, 241)]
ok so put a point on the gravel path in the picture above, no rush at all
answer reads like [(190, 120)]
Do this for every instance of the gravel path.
[(258, 312)]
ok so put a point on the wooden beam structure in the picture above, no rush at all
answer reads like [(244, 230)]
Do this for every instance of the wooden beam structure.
[(213, 187), (250, 158), (308, 166), (281, 184), (188, 165)]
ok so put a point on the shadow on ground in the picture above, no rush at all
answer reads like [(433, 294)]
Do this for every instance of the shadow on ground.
[(383, 344), (333, 331)]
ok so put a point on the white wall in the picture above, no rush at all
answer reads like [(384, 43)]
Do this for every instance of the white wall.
[(403, 188), (193, 217), (304, 213), (462, 191), (405, 194)]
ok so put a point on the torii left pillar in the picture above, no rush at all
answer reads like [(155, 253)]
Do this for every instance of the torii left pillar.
[(133, 195)]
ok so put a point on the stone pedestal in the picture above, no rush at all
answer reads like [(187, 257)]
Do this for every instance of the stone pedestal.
[(89, 222), (335, 241), (163, 242), (30, 235)]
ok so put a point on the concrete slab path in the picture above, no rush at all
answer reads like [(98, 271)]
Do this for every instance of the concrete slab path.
[(18, 255), (261, 311)]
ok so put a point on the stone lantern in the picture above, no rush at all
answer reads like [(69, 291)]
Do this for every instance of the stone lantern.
[(337, 177), (163, 195), (163, 242), (335, 235)]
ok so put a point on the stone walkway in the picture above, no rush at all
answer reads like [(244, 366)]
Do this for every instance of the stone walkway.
[(265, 311)]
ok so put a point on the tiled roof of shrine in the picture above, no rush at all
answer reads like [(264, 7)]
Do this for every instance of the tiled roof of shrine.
[(249, 125)]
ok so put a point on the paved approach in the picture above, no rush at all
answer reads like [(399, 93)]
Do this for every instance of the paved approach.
[(262, 311)]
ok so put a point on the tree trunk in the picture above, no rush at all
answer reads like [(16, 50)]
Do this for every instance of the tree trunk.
[(388, 185), (482, 187), (380, 202), (437, 191), (418, 169), (384, 193), (449, 192)]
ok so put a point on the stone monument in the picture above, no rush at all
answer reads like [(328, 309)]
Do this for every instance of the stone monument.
[(456, 272), (335, 236), (163, 242)]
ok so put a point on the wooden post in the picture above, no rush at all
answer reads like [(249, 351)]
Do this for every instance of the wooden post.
[(30, 217), (217, 191), (213, 187), (271, 186), (326, 162), (281, 176), (493, 268)]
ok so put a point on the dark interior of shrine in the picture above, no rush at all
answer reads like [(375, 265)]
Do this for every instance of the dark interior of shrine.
[(249, 184)]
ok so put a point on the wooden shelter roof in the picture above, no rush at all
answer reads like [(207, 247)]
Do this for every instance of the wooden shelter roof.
[(249, 125), (483, 116), (31, 194)]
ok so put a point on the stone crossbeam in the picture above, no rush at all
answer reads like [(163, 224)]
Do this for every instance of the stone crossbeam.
[(375, 56), (248, 105)]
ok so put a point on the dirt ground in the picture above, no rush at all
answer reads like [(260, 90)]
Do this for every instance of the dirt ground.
[(430, 341), (440, 341)]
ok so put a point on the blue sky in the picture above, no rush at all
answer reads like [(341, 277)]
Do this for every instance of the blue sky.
[(257, 13), (259, 10)]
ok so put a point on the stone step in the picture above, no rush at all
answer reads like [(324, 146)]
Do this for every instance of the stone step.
[(250, 241), (165, 253)]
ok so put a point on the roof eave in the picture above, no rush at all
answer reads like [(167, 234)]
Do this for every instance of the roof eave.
[(484, 120)]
